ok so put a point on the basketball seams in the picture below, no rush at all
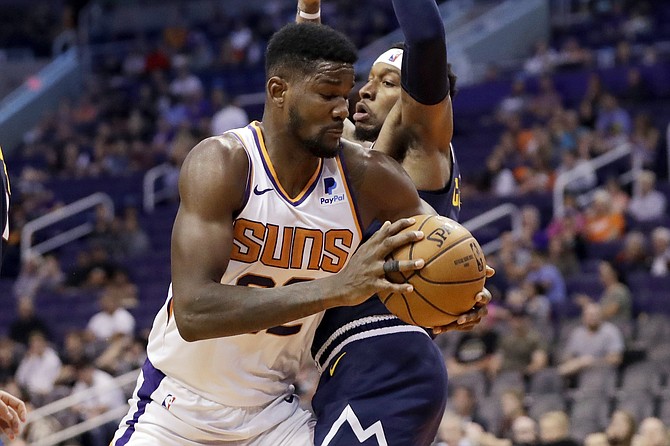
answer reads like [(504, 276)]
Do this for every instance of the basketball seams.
[(455, 282), (411, 248), (438, 254)]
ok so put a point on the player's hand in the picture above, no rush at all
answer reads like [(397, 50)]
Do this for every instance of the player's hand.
[(365, 274), (12, 413), (467, 321)]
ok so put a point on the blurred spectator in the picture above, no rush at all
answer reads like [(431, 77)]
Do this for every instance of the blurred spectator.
[(547, 99), (613, 121), (74, 351), (555, 429), (660, 248), (616, 301), (10, 356), (124, 289), (592, 344), (542, 61), (474, 350), (37, 274), (133, 240), (106, 397), (39, 368), (618, 197), (463, 402), (621, 429), (645, 140), (585, 178), (563, 255), (525, 432), (112, 320), (603, 223), (652, 432), (185, 83), (230, 116), (123, 355), (512, 260), (597, 439), (521, 348), (634, 256), (27, 322), (532, 236), (451, 431), (515, 102), (541, 272), (572, 55), (637, 91), (647, 203), (512, 408)]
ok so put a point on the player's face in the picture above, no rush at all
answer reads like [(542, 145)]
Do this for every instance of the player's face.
[(378, 96), (316, 114)]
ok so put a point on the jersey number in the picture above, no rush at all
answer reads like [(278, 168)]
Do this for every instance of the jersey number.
[(268, 282)]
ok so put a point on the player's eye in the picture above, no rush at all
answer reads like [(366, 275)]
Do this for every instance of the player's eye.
[(389, 84)]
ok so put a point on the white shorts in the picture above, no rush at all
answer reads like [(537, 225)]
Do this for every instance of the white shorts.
[(167, 414)]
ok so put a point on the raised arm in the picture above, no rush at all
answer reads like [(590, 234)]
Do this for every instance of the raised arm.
[(212, 186), (308, 11), (422, 119)]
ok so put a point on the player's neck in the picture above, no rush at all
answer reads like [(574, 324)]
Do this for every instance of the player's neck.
[(293, 167)]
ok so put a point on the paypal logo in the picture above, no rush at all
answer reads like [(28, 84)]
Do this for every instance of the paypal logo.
[(329, 184)]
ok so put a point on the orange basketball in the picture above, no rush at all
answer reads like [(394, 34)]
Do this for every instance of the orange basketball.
[(446, 286)]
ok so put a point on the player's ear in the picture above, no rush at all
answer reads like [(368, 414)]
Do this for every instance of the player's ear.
[(276, 88)]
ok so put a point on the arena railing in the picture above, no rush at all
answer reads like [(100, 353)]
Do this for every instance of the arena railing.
[(564, 179), (150, 195), (122, 381), (58, 215), (506, 210)]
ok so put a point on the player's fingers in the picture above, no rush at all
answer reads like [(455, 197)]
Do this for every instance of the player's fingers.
[(7, 400), (389, 228), (489, 271), (10, 426), (483, 298), (394, 266), (5, 413)]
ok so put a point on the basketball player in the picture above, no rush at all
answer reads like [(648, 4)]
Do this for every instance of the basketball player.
[(267, 236), (381, 378), (12, 409)]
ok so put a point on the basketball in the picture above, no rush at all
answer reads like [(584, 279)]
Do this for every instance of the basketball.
[(455, 271)]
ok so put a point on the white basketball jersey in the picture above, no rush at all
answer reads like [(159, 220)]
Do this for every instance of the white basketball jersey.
[(278, 240)]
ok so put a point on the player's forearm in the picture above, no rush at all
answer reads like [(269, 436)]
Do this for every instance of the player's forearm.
[(424, 64), (250, 309)]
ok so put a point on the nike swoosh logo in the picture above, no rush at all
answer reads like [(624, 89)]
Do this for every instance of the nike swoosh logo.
[(261, 192), (332, 367)]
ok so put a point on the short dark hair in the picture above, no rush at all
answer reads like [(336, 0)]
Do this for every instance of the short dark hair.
[(450, 74), (300, 46)]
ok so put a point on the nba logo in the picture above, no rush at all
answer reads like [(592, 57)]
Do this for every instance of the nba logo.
[(394, 57), (168, 401)]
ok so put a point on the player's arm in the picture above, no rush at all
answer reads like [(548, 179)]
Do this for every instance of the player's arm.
[(212, 187), (422, 118), (383, 189), (308, 11)]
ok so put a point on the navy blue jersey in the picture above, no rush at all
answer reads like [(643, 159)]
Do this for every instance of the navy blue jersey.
[(381, 379)]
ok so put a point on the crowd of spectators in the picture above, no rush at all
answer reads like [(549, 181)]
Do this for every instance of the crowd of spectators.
[(522, 376)]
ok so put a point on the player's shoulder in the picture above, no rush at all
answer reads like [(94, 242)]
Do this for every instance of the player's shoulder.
[(226, 147), (218, 164)]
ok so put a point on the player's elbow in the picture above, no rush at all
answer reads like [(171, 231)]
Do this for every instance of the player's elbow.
[(187, 326)]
